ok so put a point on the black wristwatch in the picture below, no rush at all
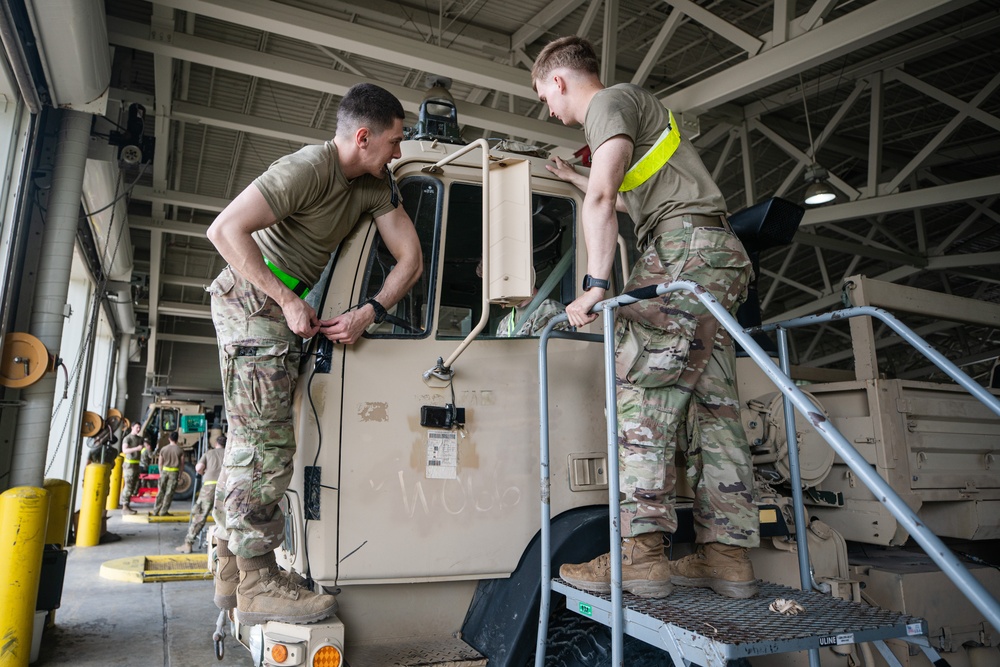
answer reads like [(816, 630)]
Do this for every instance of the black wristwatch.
[(379, 310), (590, 281)]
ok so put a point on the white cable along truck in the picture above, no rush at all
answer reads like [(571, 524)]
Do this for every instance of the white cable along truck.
[(416, 492)]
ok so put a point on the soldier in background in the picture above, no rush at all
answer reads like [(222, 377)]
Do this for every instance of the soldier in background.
[(131, 447), (209, 466), (170, 462)]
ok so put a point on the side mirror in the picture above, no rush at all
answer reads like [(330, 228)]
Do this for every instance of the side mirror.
[(508, 273)]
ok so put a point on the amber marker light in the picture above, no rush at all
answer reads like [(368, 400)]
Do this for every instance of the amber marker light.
[(328, 656), (279, 653)]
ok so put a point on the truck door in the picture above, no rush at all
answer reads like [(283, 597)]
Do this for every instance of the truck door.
[(423, 502)]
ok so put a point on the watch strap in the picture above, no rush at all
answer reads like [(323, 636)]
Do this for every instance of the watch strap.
[(379, 309), (590, 281)]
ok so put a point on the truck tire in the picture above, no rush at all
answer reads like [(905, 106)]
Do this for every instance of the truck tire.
[(185, 483)]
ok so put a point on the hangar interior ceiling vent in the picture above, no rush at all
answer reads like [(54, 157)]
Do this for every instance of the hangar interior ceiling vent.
[(901, 96)]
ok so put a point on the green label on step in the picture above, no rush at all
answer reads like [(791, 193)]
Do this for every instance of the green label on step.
[(586, 609)]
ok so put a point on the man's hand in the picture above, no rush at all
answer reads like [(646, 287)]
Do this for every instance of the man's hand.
[(301, 317), (348, 327), (579, 311), (562, 170)]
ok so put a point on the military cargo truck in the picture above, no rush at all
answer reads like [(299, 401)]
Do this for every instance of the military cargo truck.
[(188, 419), (415, 494)]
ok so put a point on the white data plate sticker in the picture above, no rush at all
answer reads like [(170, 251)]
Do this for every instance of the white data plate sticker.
[(442, 455), (914, 629)]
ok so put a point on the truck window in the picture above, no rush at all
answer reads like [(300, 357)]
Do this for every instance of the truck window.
[(168, 420), (409, 318), (553, 236)]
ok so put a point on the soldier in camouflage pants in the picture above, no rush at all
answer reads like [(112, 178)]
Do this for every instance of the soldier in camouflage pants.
[(676, 387), (259, 357)]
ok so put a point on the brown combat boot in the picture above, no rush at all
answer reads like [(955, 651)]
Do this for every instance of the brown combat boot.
[(227, 576), (724, 568), (646, 572), (267, 594)]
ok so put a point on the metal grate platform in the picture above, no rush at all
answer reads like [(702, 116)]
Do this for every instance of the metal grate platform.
[(709, 629)]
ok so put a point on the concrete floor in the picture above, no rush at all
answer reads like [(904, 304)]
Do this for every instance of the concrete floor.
[(103, 622)]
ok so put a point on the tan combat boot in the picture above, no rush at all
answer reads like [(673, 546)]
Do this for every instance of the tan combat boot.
[(127, 509), (724, 568), (267, 594), (227, 576), (646, 571), (184, 548)]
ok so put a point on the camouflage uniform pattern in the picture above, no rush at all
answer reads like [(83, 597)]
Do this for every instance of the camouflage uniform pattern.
[(535, 323), (130, 483), (676, 389), (202, 508), (165, 493), (259, 357)]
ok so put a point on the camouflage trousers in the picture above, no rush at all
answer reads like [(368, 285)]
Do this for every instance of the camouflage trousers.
[(130, 483), (259, 358), (676, 392), (165, 492), (202, 508)]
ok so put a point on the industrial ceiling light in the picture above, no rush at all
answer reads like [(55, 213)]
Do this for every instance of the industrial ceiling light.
[(819, 190)]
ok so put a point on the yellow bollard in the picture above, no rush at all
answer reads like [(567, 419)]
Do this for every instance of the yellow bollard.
[(95, 489), (115, 485), (23, 515), (59, 492)]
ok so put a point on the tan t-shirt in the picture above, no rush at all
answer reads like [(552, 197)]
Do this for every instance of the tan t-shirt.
[(212, 460), (171, 456), (683, 185), (316, 207)]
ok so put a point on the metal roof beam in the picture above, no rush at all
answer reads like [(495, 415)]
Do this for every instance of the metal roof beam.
[(313, 77), (314, 28), (183, 199), (862, 27), (169, 226), (904, 201), (542, 21)]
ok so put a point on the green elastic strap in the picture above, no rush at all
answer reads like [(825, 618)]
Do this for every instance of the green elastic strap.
[(291, 282)]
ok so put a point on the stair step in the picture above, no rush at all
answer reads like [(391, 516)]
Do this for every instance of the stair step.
[(427, 652), (709, 629)]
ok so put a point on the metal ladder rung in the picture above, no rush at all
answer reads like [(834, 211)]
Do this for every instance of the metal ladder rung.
[(709, 629)]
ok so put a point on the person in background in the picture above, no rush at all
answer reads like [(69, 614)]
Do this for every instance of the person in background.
[(170, 462), (209, 466), (131, 447), (146, 457)]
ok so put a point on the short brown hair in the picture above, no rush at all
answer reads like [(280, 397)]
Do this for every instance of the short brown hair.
[(571, 51)]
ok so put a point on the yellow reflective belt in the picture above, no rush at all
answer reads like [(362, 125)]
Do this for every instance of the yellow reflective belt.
[(131, 460), (214, 481), (166, 469), (654, 159)]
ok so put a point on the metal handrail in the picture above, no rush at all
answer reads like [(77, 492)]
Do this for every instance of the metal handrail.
[(904, 332), (932, 545)]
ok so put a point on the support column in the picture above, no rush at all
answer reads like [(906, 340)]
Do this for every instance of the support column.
[(52, 285)]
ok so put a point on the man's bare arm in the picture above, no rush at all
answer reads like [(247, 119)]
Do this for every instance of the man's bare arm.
[(401, 239), (600, 223), (231, 234), (566, 172)]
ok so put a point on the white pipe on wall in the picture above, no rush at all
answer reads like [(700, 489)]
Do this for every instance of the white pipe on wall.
[(51, 287)]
